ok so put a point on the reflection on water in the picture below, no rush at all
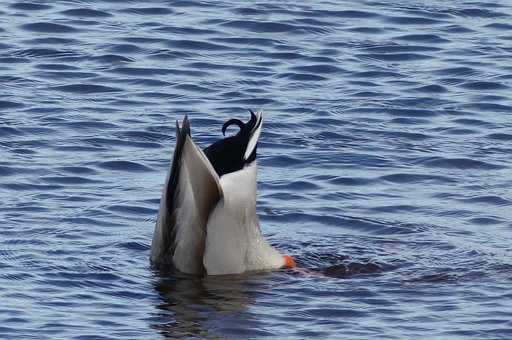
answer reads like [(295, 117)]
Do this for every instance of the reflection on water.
[(192, 303), (193, 306)]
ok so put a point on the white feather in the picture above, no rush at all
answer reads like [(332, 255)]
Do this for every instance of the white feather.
[(253, 141), (234, 243), (198, 192)]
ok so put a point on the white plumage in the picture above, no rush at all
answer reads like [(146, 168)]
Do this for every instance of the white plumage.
[(207, 221)]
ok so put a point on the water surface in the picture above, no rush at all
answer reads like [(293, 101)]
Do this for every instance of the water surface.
[(384, 166)]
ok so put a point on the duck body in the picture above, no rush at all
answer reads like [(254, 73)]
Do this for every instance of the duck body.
[(207, 222), (234, 243)]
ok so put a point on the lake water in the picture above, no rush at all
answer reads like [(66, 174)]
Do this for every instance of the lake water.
[(385, 166)]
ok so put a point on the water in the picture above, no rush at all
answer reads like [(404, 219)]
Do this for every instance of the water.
[(384, 166)]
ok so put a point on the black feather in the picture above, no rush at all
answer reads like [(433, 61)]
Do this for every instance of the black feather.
[(172, 192), (231, 122), (227, 155)]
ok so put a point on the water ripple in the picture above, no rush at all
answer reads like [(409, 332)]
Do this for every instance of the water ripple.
[(49, 27), (123, 166), (28, 6), (86, 88), (460, 163), (86, 12), (384, 166)]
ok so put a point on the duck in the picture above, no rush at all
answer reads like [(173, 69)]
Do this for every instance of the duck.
[(207, 222)]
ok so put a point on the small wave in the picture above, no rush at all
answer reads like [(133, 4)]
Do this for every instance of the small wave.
[(394, 56), (318, 69), (9, 170), (196, 45), (112, 58), (272, 27), (350, 269), (406, 20), (377, 74), (437, 278), (478, 13), (31, 187), (194, 88), (302, 76), (80, 170), (457, 29), (398, 48), (488, 199), (48, 27), (459, 131), (351, 181), (484, 85), (16, 276), (500, 136), (86, 13), (69, 180), (124, 48), (348, 14), (185, 31), (423, 38), (486, 221), (148, 10), (139, 71), (8, 105), (56, 67), (88, 124), (10, 131), (124, 166), (409, 112), (293, 186), (416, 178), (474, 122), (459, 163), (457, 71), (489, 107), (286, 161), (500, 26), (133, 210), (86, 88), (66, 75), (434, 88), (137, 246), (45, 53), (109, 142), (343, 313), (144, 135), (368, 30), (281, 55), (23, 151), (14, 60), (30, 6)]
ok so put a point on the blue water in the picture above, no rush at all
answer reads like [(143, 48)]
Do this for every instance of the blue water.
[(385, 166)]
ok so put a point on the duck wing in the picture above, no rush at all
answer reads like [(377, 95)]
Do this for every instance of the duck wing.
[(191, 191)]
